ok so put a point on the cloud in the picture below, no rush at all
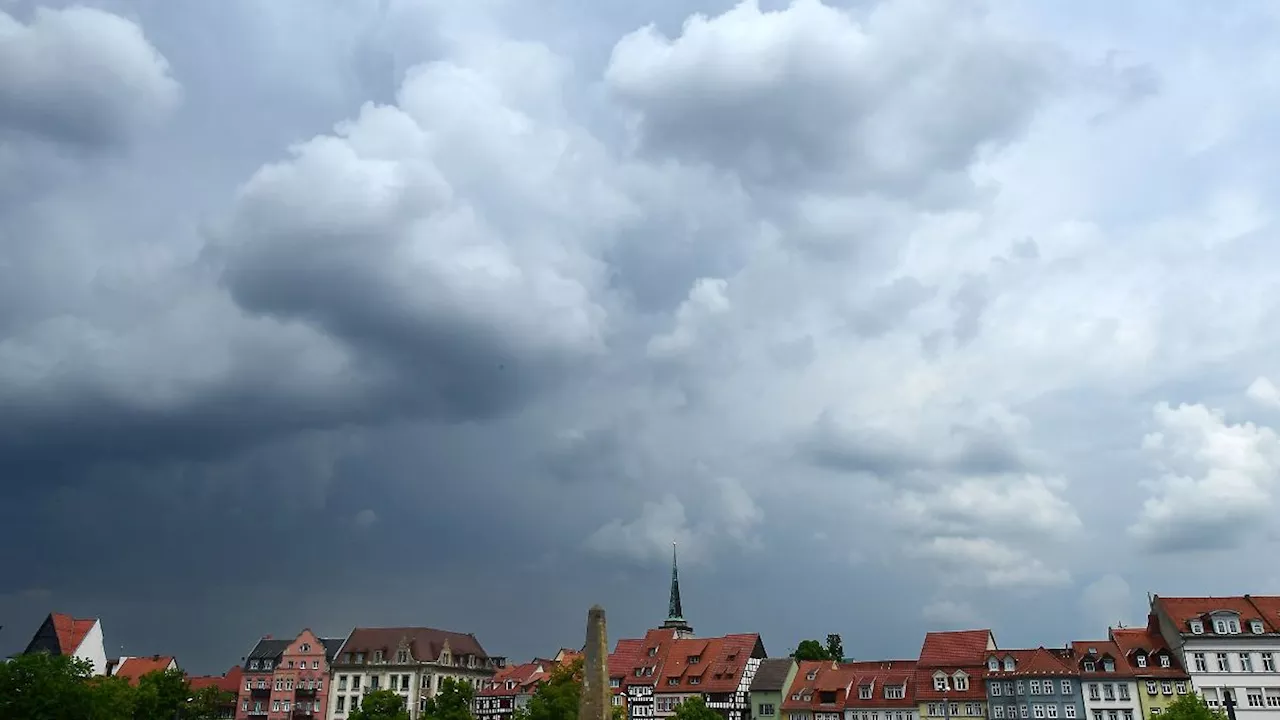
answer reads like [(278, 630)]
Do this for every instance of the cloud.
[(365, 518), (1264, 392), (81, 76), (1216, 483), (1107, 601)]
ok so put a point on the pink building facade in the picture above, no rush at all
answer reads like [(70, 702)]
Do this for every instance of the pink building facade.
[(287, 679)]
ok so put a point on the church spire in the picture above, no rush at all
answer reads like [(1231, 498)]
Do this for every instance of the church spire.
[(675, 613)]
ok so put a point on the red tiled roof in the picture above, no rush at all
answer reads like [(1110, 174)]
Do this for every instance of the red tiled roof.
[(71, 631), (135, 667), (1182, 610), (1101, 650), (1150, 642), (227, 682), (424, 643), (623, 660), (1032, 663), (526, 678), (877, 676), (960, 648), (719, 667), (814, 677)]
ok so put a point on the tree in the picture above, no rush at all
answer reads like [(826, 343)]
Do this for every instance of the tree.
[(835, 647), (161, 695), (112, 698), (1191, 707), (207, 702), (40, 686), (695, 708), (451, 702), (810, 650), (557, 698), (380, 705)]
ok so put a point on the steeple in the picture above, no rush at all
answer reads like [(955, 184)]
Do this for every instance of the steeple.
[(675, 613)]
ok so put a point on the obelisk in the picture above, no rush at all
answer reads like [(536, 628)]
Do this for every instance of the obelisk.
[(595, 702)]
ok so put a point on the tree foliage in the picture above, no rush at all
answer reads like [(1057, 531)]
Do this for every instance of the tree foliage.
[(695, 708), (811, 650), (207, 702), (41, 686), (451, 702), (381, 705), (835, 647), (557, 698), (1191, 707)]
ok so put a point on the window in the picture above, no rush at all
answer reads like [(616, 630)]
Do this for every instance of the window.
[(1035, 687), (939, 682), (1197, 627), (1037, 710), (1022, 711), (1020, 690), (1052, 710), (342, 682), (1268, 662), (1108, 665), (1142, 660), (253, 664), (813, 675), (1220, 627), (1128, 715), (1008, 664), (248, 684), (341, 701), (306, 647), (1151, 687), (1198, 659), (279, 685), (962, 681), (355, 683), (1069, 711), (315, 664), (1123, 688), (402, 656), (1253, 696), (996, 688), (275, 706), (696, 679), (893, 692), (1097, 715), (933, 710), (404, 682), (360, 658), (1166, 687), (1093, 692), (1008, 688), (1113, 715), (395, 682), (1246, 662), (972, 709), (1109, 691), (377, 656), (1164, 661), (1088, 666), (955, 708), (695, 659), (993, 664), (766, 708), (1255, 626), (285, 706), (1233, 626), (997, 712), (1155, 711), (1181, 687), (1066, 687), (319, 683), (1223, 665)]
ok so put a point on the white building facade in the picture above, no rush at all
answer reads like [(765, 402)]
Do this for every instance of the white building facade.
[(1227, 645)]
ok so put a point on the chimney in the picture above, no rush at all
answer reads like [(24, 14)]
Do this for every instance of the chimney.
[(156, 657), (266, 637)]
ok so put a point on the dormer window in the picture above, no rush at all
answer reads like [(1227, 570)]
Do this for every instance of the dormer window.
[(402, 656), (864, 692), (813, 675), (1197, 627), (695, 659), (1088, 666), (993, 664), (962, 681), (253, 664), (895, 692), (1141, 659), (266, 664), (444, 658), (1220, 627), (939, 682), (1164, 660), (1108, 665), (1008, 664), (1255, 627)]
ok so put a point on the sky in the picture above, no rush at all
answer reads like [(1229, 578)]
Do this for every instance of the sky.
[(897, 316)]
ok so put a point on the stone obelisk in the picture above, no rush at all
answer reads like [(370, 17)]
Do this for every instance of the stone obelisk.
[(595, 703)]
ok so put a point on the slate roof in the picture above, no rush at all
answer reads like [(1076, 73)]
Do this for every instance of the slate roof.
[(268, 649), (771, 675)]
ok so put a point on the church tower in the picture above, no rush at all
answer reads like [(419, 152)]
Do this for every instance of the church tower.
[(675, 613)]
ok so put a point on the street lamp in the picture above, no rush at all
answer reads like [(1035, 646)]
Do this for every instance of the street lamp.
[(1229, 702)]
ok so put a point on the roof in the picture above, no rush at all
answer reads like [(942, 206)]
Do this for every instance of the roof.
[(1149, 642), (707, 665), (226, 682), (71, 631), (1098, 651), (1039, 662), (268, 648), (1182, 610), (425, 644), (132, 669), (814, 678), (331, 647), (524, 678), (878, 675), (772, 675), (955, 649)]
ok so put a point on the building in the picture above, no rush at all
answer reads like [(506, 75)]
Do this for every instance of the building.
[(773, 677), (511, 688), (133, 668), (412, 661), (61, 634), (1108, 686), (1156, 669), (817, 691), (881, 690), (949, 674), (287, 678), (228, 684), (1040, 684), (658, 672), (1226, 645)]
